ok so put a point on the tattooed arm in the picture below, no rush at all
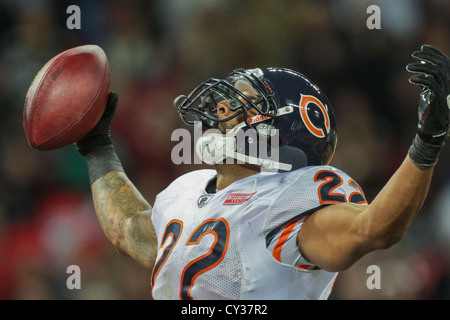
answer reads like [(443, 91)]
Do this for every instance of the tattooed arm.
[(124, 216), (123, 212)]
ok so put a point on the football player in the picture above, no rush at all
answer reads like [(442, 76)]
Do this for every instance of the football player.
[(272, 222)]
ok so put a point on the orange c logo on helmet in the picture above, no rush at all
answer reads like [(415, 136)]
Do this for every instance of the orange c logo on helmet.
[(304, 101)]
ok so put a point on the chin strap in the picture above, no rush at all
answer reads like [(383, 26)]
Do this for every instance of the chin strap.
[(215, 148)]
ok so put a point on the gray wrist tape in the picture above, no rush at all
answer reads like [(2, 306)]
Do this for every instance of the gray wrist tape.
[(102, 161), (424, 154)]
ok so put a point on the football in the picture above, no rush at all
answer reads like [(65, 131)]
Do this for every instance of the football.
[(66, 98)]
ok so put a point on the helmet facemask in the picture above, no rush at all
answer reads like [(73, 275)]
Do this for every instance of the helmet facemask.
[(249, 141), (201, 104), (284, 100)]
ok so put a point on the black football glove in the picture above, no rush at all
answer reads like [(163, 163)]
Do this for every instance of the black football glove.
[(100, 135), (433, 74)]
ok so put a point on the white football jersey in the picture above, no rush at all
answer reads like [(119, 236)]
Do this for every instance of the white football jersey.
[(241, 242)]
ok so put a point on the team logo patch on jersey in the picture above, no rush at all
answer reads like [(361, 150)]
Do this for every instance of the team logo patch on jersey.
[(238, 198)]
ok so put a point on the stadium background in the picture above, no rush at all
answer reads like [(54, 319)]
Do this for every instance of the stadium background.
[(159, 49)]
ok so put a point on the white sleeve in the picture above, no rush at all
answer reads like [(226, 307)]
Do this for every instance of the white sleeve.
[(312, 189)]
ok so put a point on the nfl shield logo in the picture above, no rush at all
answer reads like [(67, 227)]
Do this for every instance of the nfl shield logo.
[(203, 200)]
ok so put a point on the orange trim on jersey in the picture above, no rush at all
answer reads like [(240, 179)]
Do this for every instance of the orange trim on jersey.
[(359, 191), (212, 231), (282, 240), (327, 180), (304, 266), (304, 101), (334, 282), (172, 244)]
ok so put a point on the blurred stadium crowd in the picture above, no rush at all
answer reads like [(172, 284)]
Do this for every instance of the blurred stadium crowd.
[(162, 48)]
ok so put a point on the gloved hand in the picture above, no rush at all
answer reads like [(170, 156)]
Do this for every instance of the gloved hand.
[(433, 74), (100, 135)]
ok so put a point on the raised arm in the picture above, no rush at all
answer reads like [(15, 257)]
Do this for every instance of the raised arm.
[(337, 236), (122, 211)]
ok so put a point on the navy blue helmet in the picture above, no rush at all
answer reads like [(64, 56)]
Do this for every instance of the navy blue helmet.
[(284, 99)]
